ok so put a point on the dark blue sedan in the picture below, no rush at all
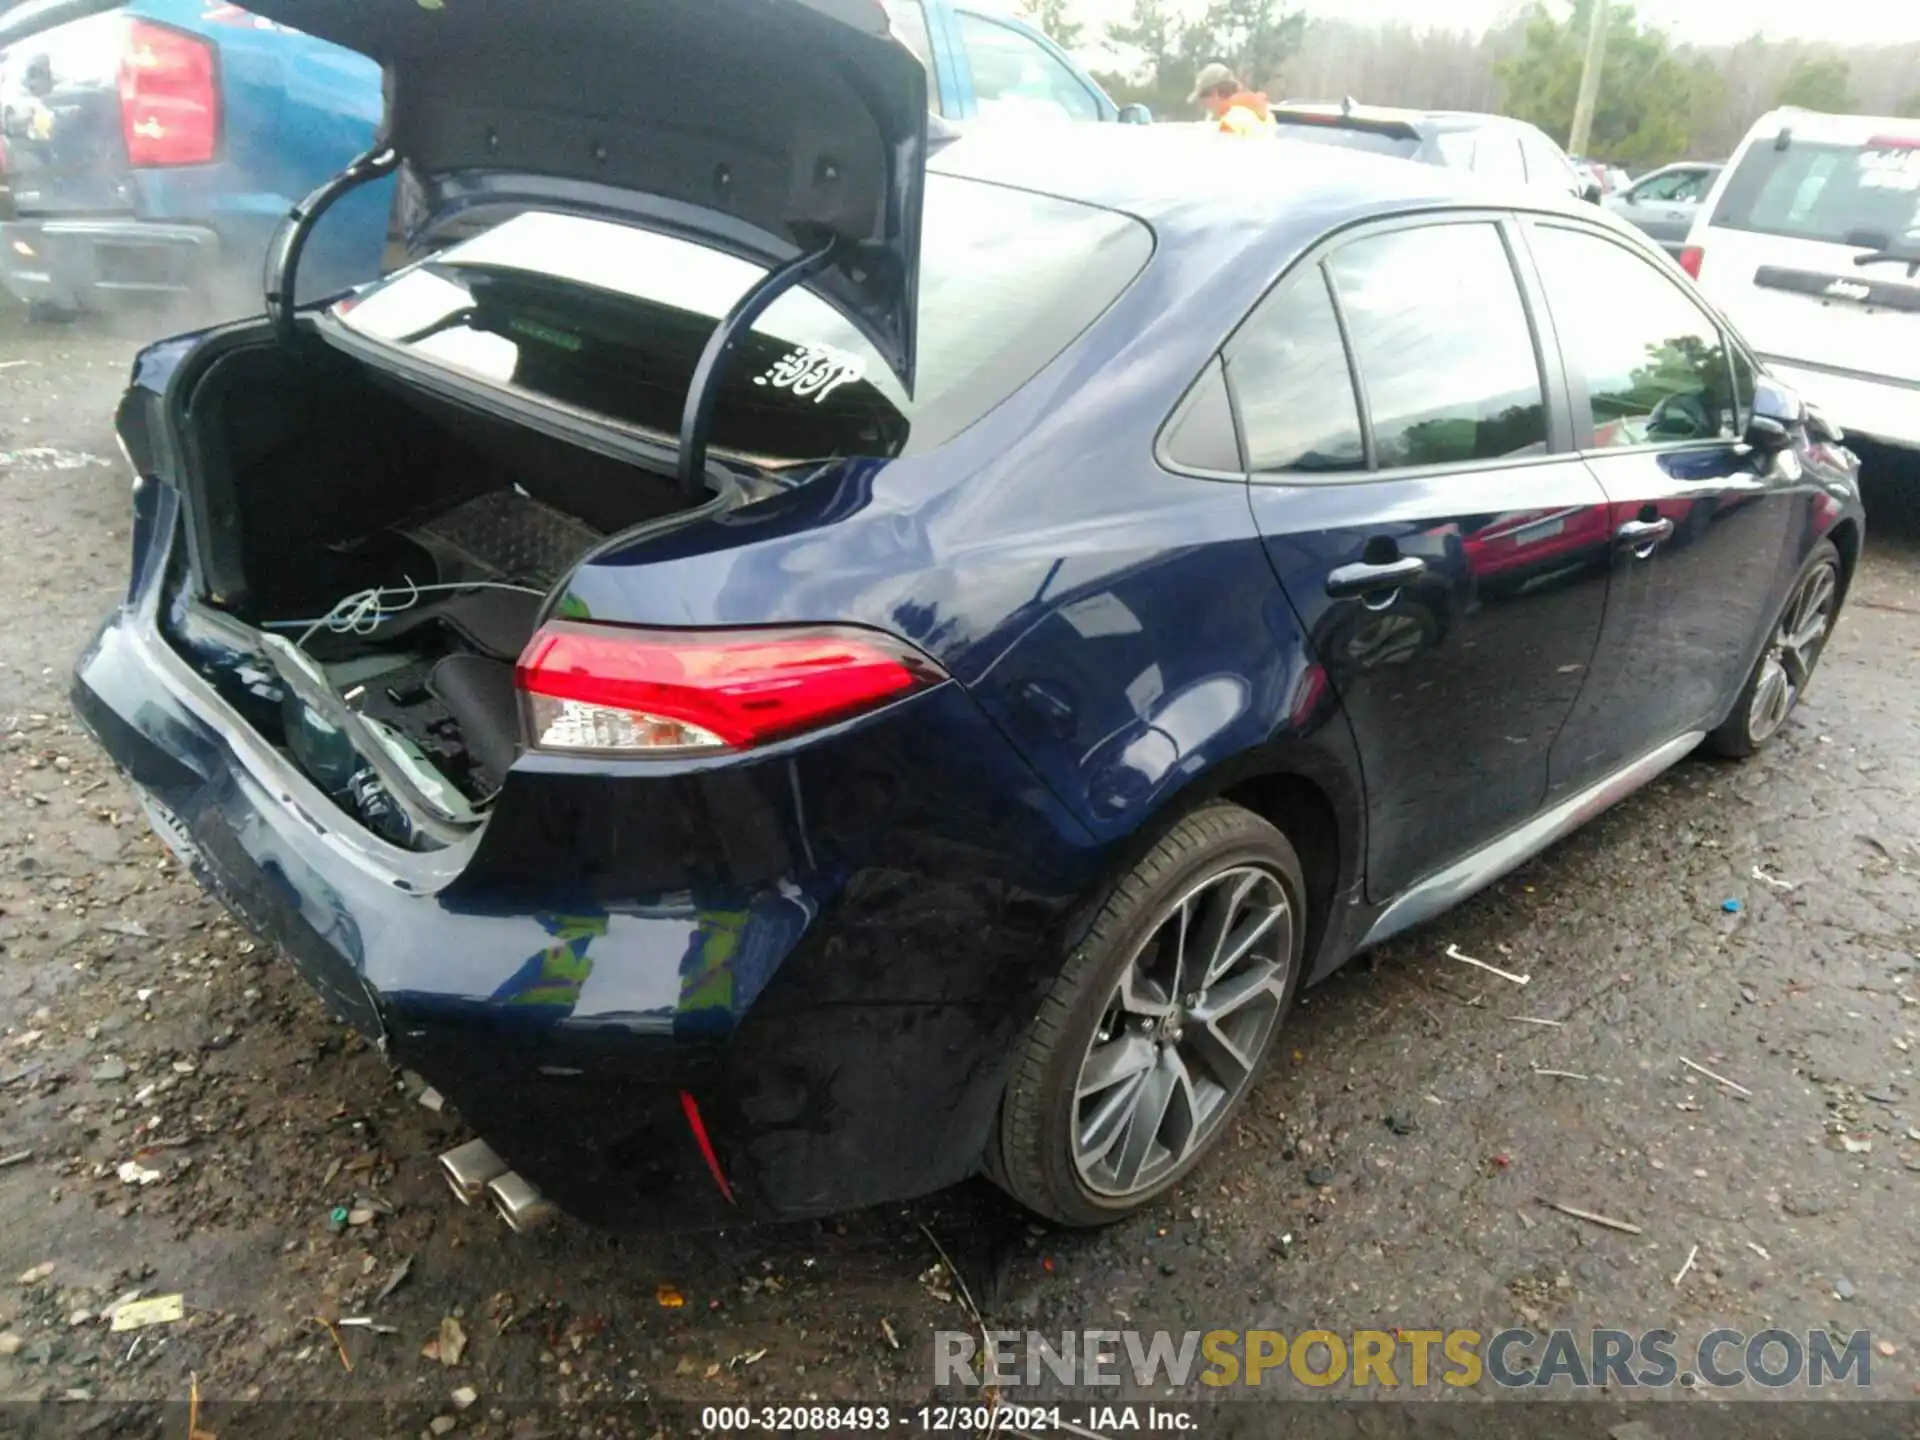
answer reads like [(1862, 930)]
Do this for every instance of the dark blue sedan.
[(781, 672)]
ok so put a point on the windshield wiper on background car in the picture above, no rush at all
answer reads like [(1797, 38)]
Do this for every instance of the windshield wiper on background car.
[(1891, 256)]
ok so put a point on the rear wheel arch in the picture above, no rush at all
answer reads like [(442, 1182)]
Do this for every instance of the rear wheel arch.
[(1846, 539), (1300, 809), (1300, 790)]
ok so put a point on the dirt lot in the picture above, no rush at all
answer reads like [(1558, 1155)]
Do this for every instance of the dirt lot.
[(1389, 1172)]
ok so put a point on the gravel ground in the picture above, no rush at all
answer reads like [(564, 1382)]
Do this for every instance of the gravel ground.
[(1389, 1171)]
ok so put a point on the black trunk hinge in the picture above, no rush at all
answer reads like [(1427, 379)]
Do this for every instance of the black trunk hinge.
[(283, 257), (697, 418)]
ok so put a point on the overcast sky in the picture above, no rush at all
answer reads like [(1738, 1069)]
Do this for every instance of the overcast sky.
[(1843, 21)]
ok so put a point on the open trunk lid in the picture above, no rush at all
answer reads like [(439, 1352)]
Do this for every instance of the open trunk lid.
[(770, 128)]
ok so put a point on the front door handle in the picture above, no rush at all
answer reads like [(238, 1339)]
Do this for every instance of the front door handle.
[(1365, 578), (1640, 536)]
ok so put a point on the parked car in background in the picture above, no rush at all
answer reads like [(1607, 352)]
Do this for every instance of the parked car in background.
[(989, 65), (713, 676), (1510, 151), (152, 151), (1810, 240), (1665, 202), (1610, 178)]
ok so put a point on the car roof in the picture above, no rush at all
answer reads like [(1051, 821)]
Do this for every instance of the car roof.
[(1228, 215), (1190, 180), (1817, 126)]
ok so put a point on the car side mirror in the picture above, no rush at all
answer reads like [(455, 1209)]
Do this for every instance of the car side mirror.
[(1768, 435), (1779, 403), (1591, 192), (1135, 115)]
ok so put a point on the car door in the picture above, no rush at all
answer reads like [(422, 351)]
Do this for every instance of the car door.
[(1011, 74), (1700, 521), (1411, 478)]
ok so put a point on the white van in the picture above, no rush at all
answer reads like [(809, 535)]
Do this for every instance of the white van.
[(1810, 242)]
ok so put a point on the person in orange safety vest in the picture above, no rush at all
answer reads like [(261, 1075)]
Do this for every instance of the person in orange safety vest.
[(1237, 111)]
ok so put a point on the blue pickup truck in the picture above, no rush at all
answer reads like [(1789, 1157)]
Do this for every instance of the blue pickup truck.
[(151, 149)]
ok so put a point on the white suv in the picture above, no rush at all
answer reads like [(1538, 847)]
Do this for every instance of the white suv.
[(1810, 242)]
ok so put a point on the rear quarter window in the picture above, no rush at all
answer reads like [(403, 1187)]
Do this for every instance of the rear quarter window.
[(1861, 195), (610, 320)]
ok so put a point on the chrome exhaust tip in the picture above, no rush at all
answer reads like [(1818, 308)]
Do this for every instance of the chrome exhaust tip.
[(520, 1205), (470, 1168)]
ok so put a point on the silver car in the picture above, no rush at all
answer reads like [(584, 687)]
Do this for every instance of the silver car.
[(1665, 203)]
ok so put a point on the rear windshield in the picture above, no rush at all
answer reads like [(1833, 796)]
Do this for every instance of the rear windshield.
[(1846, 194), (1326, 132), (610, 320)]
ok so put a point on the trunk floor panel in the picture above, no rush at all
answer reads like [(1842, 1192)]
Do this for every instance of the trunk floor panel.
[(509, 536)]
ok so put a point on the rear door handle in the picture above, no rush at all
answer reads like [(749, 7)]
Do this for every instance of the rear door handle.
[(1640, 536), (1363, 578)]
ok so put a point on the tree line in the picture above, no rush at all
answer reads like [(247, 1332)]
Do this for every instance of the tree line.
[(1658, 101)]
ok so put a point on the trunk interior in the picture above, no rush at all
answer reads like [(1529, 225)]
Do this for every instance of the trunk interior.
[(327, 498)]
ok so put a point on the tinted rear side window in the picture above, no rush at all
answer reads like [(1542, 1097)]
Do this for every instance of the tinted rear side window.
[(1844, 194), (1347, 137), (611, 320), (1443, 346), (1291, 382)]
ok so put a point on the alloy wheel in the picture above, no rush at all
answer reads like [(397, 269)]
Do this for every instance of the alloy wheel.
[(1183, 1030), (1789, 661)]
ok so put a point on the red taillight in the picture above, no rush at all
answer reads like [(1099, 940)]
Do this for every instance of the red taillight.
[(610, 689), (1690, 259), (169, 97), (1894, 142)]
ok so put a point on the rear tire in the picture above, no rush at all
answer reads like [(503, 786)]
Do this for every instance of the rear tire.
[(1154, 1032), (1786, 666)]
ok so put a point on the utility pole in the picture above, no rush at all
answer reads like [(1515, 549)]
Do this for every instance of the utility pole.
[(1583, 108)]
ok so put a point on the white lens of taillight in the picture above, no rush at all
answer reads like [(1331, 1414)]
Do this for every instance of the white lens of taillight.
[(575, 725)]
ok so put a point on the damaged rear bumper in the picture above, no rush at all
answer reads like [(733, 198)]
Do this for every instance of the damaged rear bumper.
[(839, 1021), (565, 1032)]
